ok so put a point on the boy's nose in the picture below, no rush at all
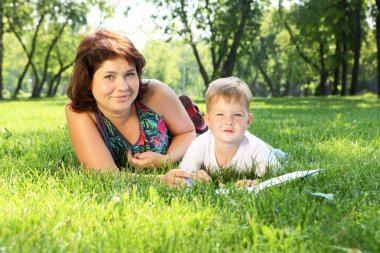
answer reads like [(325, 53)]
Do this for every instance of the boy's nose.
[(228, 121)]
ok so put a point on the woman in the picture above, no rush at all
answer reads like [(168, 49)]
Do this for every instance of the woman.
[(115, 117)]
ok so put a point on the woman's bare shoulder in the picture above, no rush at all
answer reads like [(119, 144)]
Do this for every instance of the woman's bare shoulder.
[(159, 97), (157, 92), (73, 114), (154, 86)]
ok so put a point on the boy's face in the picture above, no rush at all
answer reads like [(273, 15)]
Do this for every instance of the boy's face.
[(228, 121)]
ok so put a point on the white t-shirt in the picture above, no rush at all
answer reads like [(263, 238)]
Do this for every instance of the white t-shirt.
[(252, 152)]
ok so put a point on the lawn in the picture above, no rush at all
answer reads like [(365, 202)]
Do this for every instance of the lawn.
[(49, 204)]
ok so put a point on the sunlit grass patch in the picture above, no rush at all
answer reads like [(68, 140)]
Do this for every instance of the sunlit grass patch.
[(48, 203)]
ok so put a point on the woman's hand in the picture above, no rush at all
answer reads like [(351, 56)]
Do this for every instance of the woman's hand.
[(179, 178), (246, 183), (165, 102), (147, 159)]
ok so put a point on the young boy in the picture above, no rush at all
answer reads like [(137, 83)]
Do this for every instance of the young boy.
[(227, 143)]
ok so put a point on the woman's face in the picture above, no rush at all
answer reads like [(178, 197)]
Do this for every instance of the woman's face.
[(115, 85)]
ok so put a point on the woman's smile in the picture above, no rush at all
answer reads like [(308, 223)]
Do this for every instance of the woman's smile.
[(115, 85)]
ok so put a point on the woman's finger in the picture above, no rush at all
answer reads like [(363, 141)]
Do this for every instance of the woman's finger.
[(136, 162)]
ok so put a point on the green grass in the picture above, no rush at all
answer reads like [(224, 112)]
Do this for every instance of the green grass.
[(49, 204)]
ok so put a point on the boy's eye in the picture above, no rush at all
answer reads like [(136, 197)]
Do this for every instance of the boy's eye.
[(238, 115), (219, 114)]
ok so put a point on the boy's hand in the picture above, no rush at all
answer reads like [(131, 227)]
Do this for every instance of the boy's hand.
[(246, 183), (176, 178), (179, 178), (202, 176)]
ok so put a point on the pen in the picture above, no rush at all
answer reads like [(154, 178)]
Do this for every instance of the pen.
[(189, 180)]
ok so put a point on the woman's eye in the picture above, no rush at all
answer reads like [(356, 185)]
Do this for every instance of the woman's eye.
[(219, 114), (131, 74), (109, 77)]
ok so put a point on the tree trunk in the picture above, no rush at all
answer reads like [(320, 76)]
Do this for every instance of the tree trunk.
[(55, 80), (200, 65), (29, 54), (228, 66), (268, 81), (344, 56), (378, 46), (336, 68), (52, 85), (287, 88), (1, 47), (38, 88), (295, 42), (202, 69), (321, 90), (357, 47), (344, 70), (56, 86), (252, 85)]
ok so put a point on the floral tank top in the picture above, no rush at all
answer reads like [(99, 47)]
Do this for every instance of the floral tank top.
[(153, 134)]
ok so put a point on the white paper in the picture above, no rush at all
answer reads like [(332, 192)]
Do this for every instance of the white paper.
[(275, 181)]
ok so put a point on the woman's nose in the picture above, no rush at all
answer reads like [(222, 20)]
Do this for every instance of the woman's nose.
[(122, 84)]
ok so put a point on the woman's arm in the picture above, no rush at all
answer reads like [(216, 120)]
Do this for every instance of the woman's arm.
[(180, 126), (163, 100), (87, 142)]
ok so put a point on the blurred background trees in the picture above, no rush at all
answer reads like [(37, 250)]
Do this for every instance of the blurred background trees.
[(38, 41), (280, 48)]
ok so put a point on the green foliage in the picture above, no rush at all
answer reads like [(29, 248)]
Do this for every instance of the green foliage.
[(173, 63), (273, 53), (270, 61), (220, 25), (48, 203), (41, 31), (209, 28)]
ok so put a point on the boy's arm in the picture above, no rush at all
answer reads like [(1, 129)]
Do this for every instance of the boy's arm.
[(193, 157)]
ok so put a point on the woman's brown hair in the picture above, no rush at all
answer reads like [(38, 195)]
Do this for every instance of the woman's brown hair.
[(93, 50)]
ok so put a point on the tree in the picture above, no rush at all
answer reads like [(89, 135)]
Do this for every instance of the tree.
[(1, 47), (17, 17), (357, 43), (312, 20), (376, 15), (261, 53), (44, 23), (220, 25), (343, 32), (68, 14), (55, 81)]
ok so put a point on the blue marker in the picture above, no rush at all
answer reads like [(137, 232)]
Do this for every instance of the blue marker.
[(189, 180)]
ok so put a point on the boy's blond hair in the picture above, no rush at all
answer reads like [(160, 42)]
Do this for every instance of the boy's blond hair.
[(229, 88)]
